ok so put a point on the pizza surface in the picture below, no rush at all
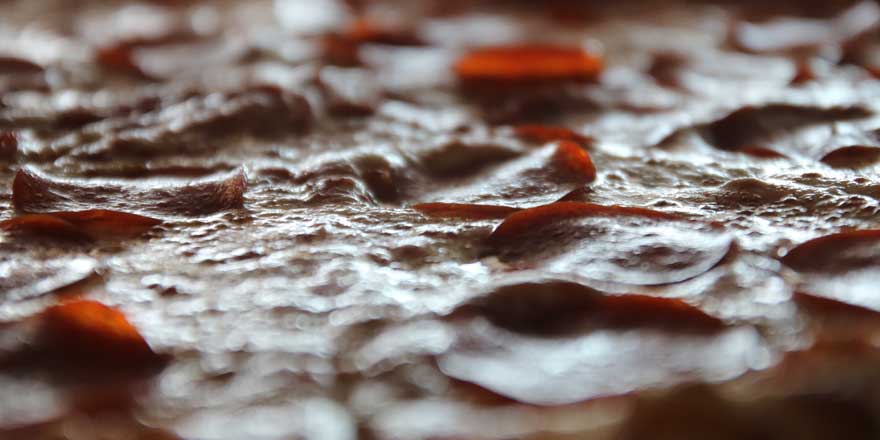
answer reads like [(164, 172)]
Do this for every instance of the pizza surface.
[(439, 220)]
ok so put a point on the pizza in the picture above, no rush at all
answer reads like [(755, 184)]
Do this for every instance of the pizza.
[(459, 219)]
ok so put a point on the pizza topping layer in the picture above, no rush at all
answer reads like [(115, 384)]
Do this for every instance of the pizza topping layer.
[(93, 224), (438, 219)]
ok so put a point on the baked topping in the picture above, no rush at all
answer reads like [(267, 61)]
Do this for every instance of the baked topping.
[(527, 64), (440, 219)]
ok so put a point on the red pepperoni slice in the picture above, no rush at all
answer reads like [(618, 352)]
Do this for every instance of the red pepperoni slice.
[(748, 126), (836, 253), (524, 64), (843, 267), (538, 177), (88, 332), (43, 225), (617, 338), (855, 156), (571, 157), (556, 306), (531, 218), (609, 243), (762, 152), (91, 224)]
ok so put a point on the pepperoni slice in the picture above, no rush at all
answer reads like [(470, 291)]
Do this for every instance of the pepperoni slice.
[(842, 267), (571, 157), (609, 243), (88, 332), (43, 225), (751, 125), (530, 83), (762, 152), (94, 223), (855, 156), (536, 178), (558, 306), (836, 253), (608, 361), (525, 64), (35, 193), (529, 219)]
